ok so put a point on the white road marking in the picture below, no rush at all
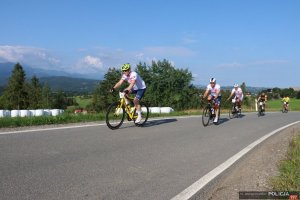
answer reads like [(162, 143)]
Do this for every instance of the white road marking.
[(198, 185), (82, 126)]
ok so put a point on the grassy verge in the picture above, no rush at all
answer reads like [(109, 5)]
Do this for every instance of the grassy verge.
[(289, 169)]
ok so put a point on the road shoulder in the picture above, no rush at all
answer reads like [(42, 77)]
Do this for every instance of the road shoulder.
[(252, 172)]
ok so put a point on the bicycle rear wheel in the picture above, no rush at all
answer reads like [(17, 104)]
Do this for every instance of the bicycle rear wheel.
[(145, 114), (115, 115), (206, 116), (231, 112)]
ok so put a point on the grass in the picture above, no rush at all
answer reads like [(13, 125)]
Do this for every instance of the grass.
[(276, 105), (10, 122), (69, 117), (83, 102), (289, 169)]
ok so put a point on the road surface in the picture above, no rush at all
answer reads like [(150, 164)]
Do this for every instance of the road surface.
[(153, 162)]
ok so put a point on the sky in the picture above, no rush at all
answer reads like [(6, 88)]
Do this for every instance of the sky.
[(234, 41)]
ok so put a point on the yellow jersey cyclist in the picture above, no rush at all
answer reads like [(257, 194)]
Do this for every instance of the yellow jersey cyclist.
[(286, 101), (136, 86), (213, 92)]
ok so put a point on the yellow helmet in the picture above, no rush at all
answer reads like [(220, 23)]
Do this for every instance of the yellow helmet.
[(126, 67)]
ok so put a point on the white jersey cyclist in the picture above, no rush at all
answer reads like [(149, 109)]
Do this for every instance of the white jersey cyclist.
[(238, 93), (139, 83), (213, 90)]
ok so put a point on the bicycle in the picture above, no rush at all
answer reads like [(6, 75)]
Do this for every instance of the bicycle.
[(234, 111), (285, 107), (208, 114), (116, 112), (261, 108)]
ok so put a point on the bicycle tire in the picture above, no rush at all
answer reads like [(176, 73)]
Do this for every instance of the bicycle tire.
[(145, 114), (206, 116), (115, 120), (231, 112)]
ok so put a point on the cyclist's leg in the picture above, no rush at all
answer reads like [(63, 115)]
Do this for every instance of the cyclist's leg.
[(138, 96), (217, 106)]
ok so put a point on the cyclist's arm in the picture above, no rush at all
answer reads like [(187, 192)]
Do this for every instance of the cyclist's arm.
[(231, 94), (217, 93), (205, 93), (129, 88), (118, 84)]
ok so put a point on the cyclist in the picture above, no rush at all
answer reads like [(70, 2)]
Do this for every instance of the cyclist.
[(238, 92), (136, 86), (286, 101), (213, 91), (262, 98)]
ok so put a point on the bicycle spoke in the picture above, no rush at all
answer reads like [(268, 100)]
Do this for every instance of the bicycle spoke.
[(115, 116)]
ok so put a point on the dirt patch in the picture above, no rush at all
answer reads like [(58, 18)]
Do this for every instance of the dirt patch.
[(253, 172)]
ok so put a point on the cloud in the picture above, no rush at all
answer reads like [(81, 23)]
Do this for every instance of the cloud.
[(88, 64), (188, 41), (259, 63), (35, 57), (166, 51)]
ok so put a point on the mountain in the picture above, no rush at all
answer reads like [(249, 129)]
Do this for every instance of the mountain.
[(56, 80), (70, 84)]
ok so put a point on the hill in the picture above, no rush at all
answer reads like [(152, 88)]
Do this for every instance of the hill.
[(56, 80), (70, 84)]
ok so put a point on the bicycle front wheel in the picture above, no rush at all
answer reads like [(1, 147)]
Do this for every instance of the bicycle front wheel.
[(231, 112), (145, 114), (115, 115), (206, 116)]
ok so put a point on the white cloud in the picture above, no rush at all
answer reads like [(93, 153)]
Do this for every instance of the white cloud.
[(169, 51), (88, 64), (35, 57)]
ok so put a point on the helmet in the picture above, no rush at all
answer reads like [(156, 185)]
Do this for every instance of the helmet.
[(126, 67), (236, 85), (212, 80)]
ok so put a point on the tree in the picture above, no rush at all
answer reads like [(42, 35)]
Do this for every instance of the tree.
[(46, 97), (101, 97), (15, 95), (35, 93)]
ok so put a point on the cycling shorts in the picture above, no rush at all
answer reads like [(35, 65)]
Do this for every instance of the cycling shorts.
[(139, 93)]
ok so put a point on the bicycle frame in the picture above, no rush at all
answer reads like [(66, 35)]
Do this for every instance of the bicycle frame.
[(116, 112), (128, 109)]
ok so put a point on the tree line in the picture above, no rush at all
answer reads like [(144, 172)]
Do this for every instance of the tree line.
[(166, 86), (23, 94)]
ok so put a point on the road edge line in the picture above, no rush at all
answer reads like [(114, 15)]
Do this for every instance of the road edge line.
[(190, 191)]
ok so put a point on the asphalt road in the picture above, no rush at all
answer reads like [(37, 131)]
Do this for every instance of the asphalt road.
[(154, 162)]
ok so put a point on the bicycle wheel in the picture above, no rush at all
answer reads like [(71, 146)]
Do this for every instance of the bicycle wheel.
[(145, 114), (206, 116), (115, 115), (232, 112)]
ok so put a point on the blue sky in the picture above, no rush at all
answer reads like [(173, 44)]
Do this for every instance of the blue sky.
[(251, 41)]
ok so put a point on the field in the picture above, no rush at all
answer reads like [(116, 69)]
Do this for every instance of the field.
[(275, 105)]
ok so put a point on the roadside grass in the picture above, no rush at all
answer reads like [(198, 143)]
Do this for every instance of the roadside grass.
[(69, 117), (276, 105), (289, 169)]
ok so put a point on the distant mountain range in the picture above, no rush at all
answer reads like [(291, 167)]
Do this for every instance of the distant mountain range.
[(56, 80)]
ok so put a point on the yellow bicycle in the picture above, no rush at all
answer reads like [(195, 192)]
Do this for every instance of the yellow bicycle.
[(116, 112)]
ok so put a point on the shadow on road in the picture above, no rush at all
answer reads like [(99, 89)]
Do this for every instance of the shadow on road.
[(158, 122), (223, 120)]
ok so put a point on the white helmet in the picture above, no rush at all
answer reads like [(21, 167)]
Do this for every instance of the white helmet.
[(212, 80), (236, 85)]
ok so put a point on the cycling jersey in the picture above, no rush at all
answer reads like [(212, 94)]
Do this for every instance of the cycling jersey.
[(238, 93), (139, 83), (286, 99), (213, 90), (263, 97)]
